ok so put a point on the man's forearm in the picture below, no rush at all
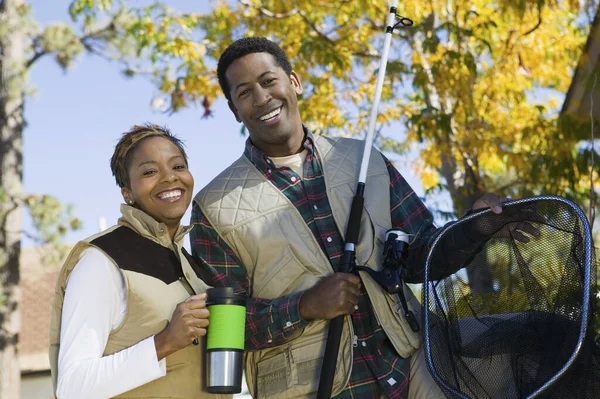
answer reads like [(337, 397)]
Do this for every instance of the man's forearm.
[(272, 322)]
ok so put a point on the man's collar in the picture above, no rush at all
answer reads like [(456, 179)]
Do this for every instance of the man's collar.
[(262, 161)]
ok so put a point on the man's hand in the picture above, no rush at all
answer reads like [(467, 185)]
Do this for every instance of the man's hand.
[(513, 230), (189, 321), (334, 295), (490, 200)]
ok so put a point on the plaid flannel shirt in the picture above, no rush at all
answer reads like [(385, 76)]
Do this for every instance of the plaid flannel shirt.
[(377, 368)]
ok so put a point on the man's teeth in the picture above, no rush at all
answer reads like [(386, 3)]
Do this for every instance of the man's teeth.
[(271, 114), (170, 194)]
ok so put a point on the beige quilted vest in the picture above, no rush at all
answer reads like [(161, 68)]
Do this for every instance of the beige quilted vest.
[(281, 256), (150, 305)]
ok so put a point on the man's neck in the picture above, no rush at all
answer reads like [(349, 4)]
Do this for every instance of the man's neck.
[(292, 148)]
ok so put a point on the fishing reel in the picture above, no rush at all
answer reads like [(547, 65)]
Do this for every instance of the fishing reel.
[(391, 276)]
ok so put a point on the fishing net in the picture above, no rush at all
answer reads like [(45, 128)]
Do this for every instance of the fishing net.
[(516, 319)]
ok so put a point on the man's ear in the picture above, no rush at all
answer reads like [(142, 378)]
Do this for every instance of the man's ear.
[(297, 83), (234, 110)]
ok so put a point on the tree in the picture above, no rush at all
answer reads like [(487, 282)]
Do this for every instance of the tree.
[(460, 80), (474, 66), (96, 28), (11, 115)]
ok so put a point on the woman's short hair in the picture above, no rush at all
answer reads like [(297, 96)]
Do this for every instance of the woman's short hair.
[(120, 160)]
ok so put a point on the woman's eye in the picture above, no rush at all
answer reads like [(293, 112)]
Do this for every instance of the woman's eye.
[(180, 167), (268, 81), (244, 92), (149, 172)]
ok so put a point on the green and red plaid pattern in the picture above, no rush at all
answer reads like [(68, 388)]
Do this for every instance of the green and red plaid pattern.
[(377, 368)]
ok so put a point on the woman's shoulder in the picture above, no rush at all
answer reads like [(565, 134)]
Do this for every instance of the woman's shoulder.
[(94, 265)]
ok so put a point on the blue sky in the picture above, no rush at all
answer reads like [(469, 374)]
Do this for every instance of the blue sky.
[(75, 119)]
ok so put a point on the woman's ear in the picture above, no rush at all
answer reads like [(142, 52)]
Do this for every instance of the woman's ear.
[(127, 196)]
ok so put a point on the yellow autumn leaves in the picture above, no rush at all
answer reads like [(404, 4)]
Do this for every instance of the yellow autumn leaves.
[(480, 81)]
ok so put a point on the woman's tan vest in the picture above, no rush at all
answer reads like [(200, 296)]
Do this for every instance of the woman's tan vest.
[(150, 305), (281, 256)]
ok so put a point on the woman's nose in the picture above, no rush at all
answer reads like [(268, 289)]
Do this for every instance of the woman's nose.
[(169, 176)]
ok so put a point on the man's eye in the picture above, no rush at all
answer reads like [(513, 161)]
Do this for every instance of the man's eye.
[(244, 92)]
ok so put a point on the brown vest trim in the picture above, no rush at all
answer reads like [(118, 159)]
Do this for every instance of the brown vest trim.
[(132, 252)]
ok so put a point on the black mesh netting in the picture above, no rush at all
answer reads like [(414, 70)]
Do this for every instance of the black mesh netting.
[(512, 318)]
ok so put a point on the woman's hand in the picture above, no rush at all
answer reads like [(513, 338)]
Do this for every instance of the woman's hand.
[(189, 321)]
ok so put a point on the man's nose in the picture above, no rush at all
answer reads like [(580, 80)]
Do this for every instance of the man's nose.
[(261, 97)]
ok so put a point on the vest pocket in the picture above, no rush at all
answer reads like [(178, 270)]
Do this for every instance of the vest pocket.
[(306, 365), (273, 375), (290, 374), (294, 371)]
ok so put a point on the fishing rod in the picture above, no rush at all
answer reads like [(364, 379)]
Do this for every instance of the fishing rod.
[(348, 260)]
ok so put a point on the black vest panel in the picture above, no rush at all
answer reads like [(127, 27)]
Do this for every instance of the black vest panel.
[(132, 252)]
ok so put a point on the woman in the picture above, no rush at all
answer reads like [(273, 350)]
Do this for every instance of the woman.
[(129, 302)]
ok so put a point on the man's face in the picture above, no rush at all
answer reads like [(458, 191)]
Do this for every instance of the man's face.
[(264, 99)]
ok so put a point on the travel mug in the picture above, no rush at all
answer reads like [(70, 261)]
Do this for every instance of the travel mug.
[(225, 340)]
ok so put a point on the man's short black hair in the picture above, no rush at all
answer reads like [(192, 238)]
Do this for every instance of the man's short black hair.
[(245, 46)]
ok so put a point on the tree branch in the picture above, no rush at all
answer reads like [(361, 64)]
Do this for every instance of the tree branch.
[(36, 56), (7, 211), (268, 13), (537, 25), (110, 27), (40, 52), (314, 27), (366, 54), (509, 185)]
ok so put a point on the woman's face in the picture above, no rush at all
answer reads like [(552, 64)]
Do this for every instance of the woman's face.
[(160, 183)]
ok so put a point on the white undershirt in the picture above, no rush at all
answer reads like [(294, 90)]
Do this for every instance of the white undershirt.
[(294, 162), (94, 305)]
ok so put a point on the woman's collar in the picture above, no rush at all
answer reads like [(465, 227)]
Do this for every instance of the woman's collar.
[(148, 227)]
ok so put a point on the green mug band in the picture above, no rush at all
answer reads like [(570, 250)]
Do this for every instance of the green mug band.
[(226, 324)]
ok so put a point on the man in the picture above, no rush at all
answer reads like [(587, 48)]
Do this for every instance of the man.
[(272, 223)]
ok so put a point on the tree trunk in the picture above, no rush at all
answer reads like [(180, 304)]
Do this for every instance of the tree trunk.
[(463, 198), (12, 75)]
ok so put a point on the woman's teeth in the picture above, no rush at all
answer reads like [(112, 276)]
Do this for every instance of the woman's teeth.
[(170, 194)]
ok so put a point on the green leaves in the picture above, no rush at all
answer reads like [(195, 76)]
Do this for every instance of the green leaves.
[(52, 221), (88, 8), (472, 64), (61, 41)]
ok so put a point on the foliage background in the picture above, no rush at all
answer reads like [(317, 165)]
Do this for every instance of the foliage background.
[(472, 95)]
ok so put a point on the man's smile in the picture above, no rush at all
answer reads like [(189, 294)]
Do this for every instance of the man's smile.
[(271, 115)]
